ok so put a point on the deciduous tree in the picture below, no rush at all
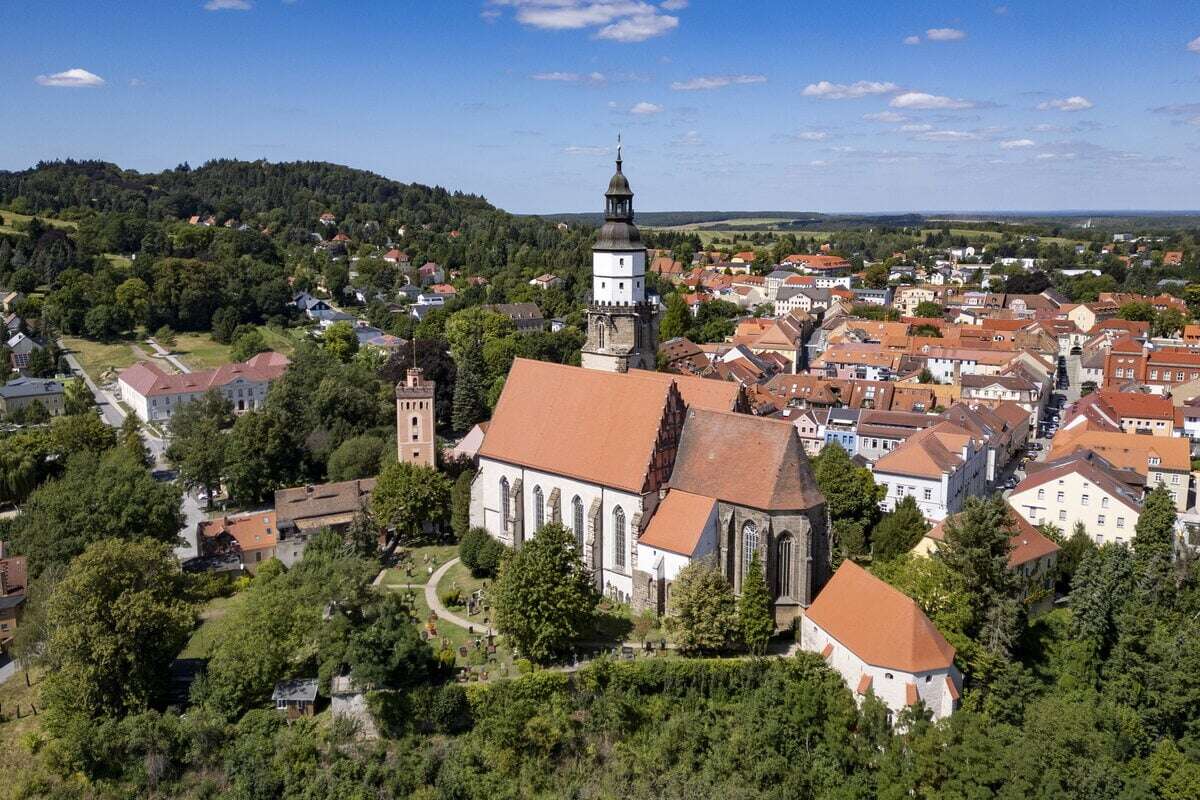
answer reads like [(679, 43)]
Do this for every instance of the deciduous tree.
[(756, 623), (703, 612), (544, 598)]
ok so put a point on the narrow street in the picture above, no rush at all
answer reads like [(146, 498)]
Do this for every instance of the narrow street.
[(112, 413)]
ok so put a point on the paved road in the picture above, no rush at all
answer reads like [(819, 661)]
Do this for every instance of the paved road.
[(114, 415)]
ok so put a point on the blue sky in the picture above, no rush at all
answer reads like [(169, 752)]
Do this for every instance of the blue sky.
[(751, 105)]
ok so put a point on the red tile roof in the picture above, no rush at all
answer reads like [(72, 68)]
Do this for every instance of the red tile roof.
[(678, 522), (149, 380), (596, 426), (879, 624)]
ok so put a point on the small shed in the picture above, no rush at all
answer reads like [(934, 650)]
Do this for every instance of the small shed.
[(296, 698)]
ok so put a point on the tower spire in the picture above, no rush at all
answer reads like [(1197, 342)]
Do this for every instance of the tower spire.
[(618, 152)]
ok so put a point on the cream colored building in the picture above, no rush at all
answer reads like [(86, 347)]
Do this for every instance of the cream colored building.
[(1079, 489)]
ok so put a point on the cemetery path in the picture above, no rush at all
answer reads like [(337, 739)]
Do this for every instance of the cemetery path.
[(435, 602)]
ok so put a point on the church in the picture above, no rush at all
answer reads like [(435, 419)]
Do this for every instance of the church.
[(649, 470)]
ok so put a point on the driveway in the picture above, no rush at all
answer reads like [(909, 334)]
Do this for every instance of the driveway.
[(175, 362)]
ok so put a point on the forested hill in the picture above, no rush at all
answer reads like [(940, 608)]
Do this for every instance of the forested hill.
[(294, 193)]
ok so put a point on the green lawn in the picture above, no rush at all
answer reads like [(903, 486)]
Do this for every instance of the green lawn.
[(99, 357), (199, 351), (15, 758), (416, 563), (281, 340), (212, 622)]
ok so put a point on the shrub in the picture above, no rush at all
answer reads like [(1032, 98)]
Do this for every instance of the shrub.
[(524, 666), (480, 552), (452, 597)]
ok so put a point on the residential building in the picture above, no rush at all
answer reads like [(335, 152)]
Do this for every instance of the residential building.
[(1158, 460), (546, 281), (20, 347), (430, 272), (1131, 412), (249, 539), (526, 316), (22, 392), (880, 642), (1077, 489), (154, 394), (1032, 555), (13, 580), (880, 432), (302, 511), (939, 467)]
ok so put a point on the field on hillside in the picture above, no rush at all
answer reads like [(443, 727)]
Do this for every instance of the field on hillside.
[(11, 217), (199, 351)]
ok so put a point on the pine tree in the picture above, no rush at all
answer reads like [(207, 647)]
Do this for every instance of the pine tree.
[(460, 504), (755, 620), (1154, 539), (976, 549), (851, 496), (676, 319), (470, 404), (898, 532)]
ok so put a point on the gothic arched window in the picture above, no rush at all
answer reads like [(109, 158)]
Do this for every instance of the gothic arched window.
[(619, 537), (504, 503), (577, 519), (749, 545), (600, 332), (539, 509), (783, 566)]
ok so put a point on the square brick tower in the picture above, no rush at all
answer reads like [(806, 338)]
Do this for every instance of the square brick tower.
[(415, 437)]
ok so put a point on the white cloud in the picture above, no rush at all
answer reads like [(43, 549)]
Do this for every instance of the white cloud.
[(585, 150), (638, 29), (1194, 45), (842, 91), (673, 5), (646, 109), (912, 39), (689, 139), (617, 20), (228, 5), (716, 82), (135, 82), (1013, 144), (74, 78), (916, 128), (811, 136), (945, 34), (1074, 103), (924, 100), (885, 116), (948, 136), (1050, 156), (570, 77), (818, 163)]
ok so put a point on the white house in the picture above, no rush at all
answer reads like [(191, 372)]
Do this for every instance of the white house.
[(881, 643), (154, 394), (940, 467), (1080, 488)]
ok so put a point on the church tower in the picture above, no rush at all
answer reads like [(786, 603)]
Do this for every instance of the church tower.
[(415, 435), (622, 326)]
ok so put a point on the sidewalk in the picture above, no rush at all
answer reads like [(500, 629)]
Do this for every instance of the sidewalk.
[(175, 362)]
